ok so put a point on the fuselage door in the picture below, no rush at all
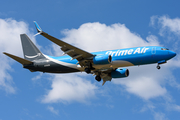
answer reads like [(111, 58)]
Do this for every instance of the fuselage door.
[(154, 50)]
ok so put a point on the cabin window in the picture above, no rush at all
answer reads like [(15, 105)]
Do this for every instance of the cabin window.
[(164, 49)]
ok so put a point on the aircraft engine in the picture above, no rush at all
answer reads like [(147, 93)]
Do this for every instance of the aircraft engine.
[(120, 73), (102, 59)]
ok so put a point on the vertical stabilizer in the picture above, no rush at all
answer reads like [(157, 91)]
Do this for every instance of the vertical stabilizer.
[(31, 52)]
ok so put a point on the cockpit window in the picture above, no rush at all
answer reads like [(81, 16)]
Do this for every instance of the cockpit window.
[(164, 49)]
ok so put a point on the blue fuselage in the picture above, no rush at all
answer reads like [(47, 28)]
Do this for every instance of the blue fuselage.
[(120, 58)]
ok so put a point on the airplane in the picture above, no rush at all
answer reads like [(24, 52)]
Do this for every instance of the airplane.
[(103, 65)]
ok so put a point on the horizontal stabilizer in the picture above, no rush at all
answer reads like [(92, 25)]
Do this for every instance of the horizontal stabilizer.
[(18, 59)]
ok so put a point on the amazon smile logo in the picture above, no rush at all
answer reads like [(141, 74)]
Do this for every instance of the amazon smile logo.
[(38, 54)]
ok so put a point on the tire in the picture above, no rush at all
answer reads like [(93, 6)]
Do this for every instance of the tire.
[(87, 70), (158, 67), (98, 78)]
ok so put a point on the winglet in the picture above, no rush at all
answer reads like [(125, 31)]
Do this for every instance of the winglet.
[(37, 27)]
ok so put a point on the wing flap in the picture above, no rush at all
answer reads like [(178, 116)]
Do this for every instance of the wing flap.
[(18, 59)]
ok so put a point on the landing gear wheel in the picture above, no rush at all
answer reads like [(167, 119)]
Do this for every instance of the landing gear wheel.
[(158, 67), (98, 78), (87, 70)]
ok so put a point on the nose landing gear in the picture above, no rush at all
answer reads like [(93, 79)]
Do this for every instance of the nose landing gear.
[(160, 62), (158, 67)]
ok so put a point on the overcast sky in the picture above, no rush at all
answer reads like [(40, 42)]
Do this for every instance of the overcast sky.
[(92, 25)]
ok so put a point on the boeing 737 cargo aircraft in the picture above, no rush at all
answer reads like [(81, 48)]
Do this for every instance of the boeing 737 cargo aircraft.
[(104, 65)]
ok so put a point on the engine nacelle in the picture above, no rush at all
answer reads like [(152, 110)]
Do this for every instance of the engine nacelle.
[(102, 59), (120, 73)]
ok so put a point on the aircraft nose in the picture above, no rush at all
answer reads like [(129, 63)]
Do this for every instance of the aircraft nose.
[(172, 54)]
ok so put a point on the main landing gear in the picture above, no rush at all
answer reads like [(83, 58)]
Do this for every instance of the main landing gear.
[(98, 78), (87, 70)]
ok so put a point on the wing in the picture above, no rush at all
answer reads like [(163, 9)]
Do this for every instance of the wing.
[(82, 56), (72, 51)]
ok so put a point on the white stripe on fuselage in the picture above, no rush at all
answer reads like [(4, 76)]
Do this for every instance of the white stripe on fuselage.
[(64, 63)]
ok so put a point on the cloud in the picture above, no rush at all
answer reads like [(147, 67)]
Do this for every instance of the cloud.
[(67, 88), (169, 29), (96, 36), (154, 110), (172, 25), (73, 86), (145, 81), (172, 107), (10, 42), (39, 76), (148, 82), (51, 109), (159, 116)]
